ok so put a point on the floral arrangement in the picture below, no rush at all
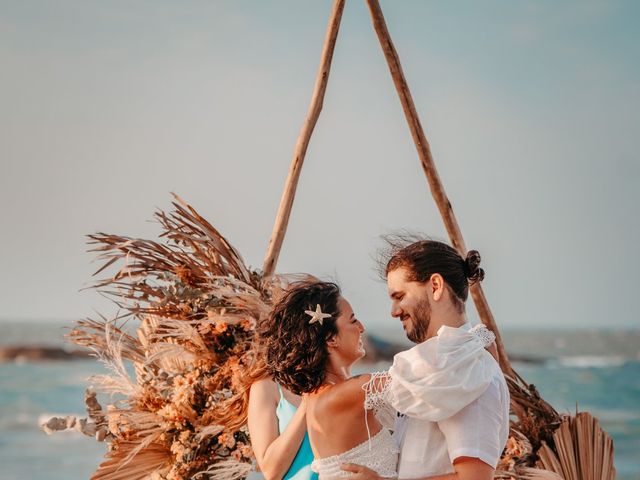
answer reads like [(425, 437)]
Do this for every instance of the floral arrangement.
[(183, 355), (179, 381)]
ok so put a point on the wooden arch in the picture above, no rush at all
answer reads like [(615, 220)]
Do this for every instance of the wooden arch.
[(565, 446), (419, 138)]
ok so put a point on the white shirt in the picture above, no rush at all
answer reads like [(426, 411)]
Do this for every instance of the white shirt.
[(479, 429)]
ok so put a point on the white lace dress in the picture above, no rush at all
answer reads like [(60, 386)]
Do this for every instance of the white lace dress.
[(379, 453)]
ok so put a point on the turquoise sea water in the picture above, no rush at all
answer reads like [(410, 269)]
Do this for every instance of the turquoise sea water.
[(597, 371)]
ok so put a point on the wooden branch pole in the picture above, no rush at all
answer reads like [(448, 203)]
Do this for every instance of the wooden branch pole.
[(428, 165), (286, 202)]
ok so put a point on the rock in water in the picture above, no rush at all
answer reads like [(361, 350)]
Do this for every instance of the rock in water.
[(30, 353)]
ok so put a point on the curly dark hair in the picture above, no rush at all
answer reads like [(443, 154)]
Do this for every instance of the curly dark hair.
[(296, 351)]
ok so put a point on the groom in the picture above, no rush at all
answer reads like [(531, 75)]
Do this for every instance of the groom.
[(428, 282)]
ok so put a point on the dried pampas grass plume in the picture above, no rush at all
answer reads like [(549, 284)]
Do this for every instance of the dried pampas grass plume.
[(179, 353)]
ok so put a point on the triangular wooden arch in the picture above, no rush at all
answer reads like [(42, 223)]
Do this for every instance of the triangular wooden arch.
[(419, 138), (584, 450)]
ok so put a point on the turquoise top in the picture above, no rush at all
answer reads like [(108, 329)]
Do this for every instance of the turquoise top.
[(300, 468)]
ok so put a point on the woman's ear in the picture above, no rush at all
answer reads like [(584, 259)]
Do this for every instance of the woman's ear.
[(332, 342)]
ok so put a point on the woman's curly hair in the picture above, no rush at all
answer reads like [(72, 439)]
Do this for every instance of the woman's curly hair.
[(296, 351)]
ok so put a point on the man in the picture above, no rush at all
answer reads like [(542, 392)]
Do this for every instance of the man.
[(428, 282)]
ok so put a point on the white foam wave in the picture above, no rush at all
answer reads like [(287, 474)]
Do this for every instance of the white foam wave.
[(621, 416), (592, 361)]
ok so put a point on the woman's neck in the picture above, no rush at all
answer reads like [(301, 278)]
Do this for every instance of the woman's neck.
[(337, 375)]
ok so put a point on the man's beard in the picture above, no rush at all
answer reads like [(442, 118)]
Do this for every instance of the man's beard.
[(420, 319)]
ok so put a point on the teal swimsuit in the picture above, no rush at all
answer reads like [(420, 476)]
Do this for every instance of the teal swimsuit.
[(300, 468)]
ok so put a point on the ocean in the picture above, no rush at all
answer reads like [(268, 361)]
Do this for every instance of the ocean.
[(596, 371)]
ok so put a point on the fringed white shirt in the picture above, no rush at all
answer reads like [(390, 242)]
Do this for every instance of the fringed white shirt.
[(454, 399)]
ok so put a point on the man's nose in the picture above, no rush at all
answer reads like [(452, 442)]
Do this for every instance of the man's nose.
[(396, 311)]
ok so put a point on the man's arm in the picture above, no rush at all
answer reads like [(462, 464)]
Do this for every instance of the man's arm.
[(466, 468), (473, 434)]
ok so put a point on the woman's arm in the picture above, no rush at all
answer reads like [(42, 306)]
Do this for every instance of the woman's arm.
[(274, 450)]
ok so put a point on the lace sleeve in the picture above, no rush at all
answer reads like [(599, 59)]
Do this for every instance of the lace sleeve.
[(377, 392), (485, 335)]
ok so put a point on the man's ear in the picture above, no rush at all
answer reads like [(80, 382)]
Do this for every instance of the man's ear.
[(436, 286)]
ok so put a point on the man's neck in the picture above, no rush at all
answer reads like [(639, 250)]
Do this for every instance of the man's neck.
[(450, 318)]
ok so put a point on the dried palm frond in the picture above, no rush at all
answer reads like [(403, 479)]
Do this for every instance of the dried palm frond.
[(527, 473), (150, 459), (186, 226), (157, 279), (583, 451), (543, 442)]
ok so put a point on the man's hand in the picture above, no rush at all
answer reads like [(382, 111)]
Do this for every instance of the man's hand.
[(360, 472), (466, 468)]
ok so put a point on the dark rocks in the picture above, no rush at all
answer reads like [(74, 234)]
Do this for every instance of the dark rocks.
[(380, 350), (377, 350), (34, 353)]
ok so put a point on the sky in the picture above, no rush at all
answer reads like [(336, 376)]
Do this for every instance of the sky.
[(531, 110)]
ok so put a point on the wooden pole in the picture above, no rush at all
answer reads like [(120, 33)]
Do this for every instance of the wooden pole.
[(286, 202), (428, 165)]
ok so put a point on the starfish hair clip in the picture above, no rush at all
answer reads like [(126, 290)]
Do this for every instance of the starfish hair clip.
[(316, 315)]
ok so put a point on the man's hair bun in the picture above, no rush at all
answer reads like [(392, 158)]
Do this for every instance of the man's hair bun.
[(472, 267)]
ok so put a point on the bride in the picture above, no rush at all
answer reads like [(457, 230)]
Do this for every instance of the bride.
[(311, 339)]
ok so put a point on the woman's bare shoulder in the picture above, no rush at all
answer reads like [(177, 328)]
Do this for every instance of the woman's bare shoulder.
[(343, 396), (265, 388)]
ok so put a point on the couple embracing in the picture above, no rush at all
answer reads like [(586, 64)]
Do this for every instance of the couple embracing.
[(441, 411)]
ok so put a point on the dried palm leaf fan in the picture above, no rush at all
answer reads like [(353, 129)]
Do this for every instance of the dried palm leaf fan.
[(182, 413)]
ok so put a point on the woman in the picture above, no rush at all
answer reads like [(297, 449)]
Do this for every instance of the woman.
[(312, 339), (278, 430)]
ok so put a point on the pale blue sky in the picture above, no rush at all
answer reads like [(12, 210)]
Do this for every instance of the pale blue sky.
[(531, 108)]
